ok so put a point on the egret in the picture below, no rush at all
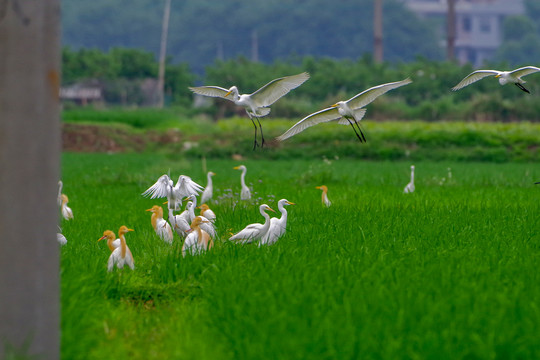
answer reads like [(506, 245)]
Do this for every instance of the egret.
[(245, 194), (112, 243), (161, 226), (180, 223), (504, 77), (198, 240), (59, 197), (325, 199), (256, 104), (67, 213), (348, 112), (409, 188), (208, 190), (121, 254), (277, 226), (174, 194), (255, 231), (61, 239), (208, 213), (205, 225)]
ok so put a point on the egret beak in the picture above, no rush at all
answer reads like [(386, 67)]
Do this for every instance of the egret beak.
[(335, 105), (228, 93), (101, 238), (236, 167), (290, 203), (498, 76), (148, 210), (166, 202), (269, 208), (130, 230)]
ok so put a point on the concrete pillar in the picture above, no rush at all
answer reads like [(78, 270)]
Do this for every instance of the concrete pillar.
[(29, 172)]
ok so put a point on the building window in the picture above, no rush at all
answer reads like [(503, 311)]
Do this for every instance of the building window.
[(466, 24), (485, 25)]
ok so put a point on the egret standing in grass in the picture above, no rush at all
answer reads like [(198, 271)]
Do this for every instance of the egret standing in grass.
[(409, 188), (180, 223), (255, 231), (348, 112), (208, 213), (121, 254), (161, 226), (67, 213), (197, 240), (324, 195), (174, 194), (208, 190), (245, 193), (207, 226), (277, 226), (256, 104), (504, 77)]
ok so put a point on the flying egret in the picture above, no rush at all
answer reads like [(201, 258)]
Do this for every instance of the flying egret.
[(277, 226), (255, 231), (207, 226), (324, 196), (504, 77), (121, 254), (256, 104), (409, 188), (208, 213), (174, 194), (245, 194), (161, 226), (197, 240), (345, 112), (208, 190), (67, 213)]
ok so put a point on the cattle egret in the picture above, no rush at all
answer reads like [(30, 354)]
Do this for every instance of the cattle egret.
[(205, 225), (174, 194), (255, 231), (120, 254), (348, 112), (245, 194), (277, 226), (161, 226), (256, 104), (409, 188), (180, 223), (324, 196), (208, 213), (197, 240), (208, 190), (504, 77), (67, 213)]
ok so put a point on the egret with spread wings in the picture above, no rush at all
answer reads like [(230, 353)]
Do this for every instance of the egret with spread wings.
[(174, 194), (504, 77)]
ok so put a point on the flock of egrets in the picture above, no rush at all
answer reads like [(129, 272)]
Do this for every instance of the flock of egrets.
[(198, 231)]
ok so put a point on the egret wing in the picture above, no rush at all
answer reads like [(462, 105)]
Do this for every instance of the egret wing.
[(321, 116), (524, 71), (212, 91), (160, 189), (474, 77), (186, 187), (367, 96), (249, 233), (271, 92)]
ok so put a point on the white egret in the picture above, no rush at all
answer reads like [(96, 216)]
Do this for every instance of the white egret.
[(409, 188), (180, 223), (61, 239), (504, 77), (277, 226), (207, 226), (197, 240), (245, 194), (255, 231), (208, 190), (174, 194), (161, 226), (67, 213), (324, 195), (348, 112), (59, 197), (121, 254), (256, 104), (208, 213)]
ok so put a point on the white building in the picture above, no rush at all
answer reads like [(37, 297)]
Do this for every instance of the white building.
[(478, 24)]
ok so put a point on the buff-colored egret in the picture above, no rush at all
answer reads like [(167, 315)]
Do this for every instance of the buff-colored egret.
[(207, 213), (209, 189), (504, 77), (256, 104), (197, 240), (121, 254), (348, 112), (325, 201), (207, 226), (245, 193), (255, 231), (174, 194), (161, 226), (409, 188), (67, 213), (277, 226)]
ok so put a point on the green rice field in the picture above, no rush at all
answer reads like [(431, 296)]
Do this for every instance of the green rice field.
[(450, 271)]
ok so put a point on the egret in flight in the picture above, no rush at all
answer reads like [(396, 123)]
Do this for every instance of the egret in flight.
[(348, 112), (174, 194), (245, 193), (161, 226), (277, 226), (197, 240), (409, 188), (324, 196), (121, 255), (255, 231), (256, 104), (504, 77), (208, 190)]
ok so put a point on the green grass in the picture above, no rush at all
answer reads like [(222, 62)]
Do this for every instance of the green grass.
[(449, 272)]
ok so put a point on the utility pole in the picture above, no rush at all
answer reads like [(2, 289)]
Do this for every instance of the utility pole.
[(254, 46), (451, 30), (163, 54), (378, 31), (30, 163)]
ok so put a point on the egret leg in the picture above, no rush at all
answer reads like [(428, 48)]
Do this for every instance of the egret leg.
[(356, 132), (361, 133), (262, 135), (522, 88), (255, 143)]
